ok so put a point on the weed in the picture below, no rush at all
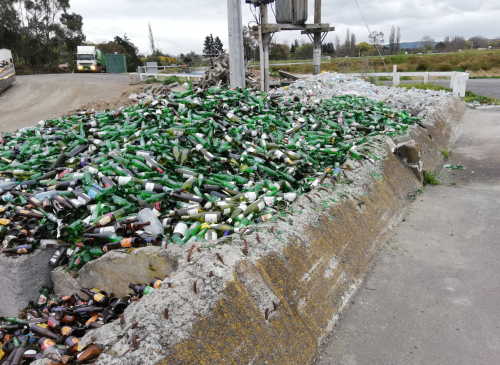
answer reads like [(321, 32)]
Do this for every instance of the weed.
[(445, 153), (430, 179), (151, 80), (171, 80), (406, 78), (275, 74), (399, 58), (481, 99), (384, 78)]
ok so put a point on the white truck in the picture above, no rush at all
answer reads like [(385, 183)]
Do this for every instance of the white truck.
[(90, 58), (7, 70)]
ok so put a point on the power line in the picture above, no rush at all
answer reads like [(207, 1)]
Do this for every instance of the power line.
[(369, 34)]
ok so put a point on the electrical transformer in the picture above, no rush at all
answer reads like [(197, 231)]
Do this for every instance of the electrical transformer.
[(291, 11)]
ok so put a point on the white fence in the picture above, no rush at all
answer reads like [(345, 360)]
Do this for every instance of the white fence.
[(154, 71), (458, 80)]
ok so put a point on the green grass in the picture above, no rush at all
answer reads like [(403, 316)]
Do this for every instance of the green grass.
[(384, 78), (425, 86), (430, 179), (445, 153), (406, 78), (471, 97)]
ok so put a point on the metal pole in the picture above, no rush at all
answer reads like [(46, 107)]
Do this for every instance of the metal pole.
[(265, 41), (317, 39), (262, 63), (236, 55)]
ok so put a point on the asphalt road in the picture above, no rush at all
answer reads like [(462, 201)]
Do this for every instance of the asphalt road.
[(39, 97), (432, 296)]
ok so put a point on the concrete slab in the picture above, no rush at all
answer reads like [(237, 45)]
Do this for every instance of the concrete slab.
[(432, 296), (22, 277)]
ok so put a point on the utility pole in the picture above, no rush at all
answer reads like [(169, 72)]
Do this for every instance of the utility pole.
[(264, 46), (236, 54), (317, 39)]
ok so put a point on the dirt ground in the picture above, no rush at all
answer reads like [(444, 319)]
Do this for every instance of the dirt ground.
[(41, 97)]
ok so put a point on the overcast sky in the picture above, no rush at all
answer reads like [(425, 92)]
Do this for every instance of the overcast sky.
[(181, 26)]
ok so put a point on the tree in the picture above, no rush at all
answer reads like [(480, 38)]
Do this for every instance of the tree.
[(365, 49), (353, 44), (280, 52), (458, 42), (294, 46), (377, 38), (392, 41), (111, 48), (347, 43), (249, 45), (328, 49), (218, 46), (132, 58), (337, 46), (151, 37), (192, 57), (304, 51), (398, 39), (209, 46), (37, 30), (427, 41), (440, 46), (479, 41), (72, 33)]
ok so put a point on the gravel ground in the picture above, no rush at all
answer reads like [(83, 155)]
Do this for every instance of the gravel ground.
[(39, 97)]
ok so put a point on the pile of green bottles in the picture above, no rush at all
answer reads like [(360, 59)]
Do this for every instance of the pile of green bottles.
[(194, 166)]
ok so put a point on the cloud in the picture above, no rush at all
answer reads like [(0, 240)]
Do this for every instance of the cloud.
[(181, 26)]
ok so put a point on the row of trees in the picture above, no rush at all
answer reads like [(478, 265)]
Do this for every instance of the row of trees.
[(459, 42), (40, 33)]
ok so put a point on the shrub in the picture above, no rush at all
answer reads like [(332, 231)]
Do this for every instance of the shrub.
[(170, 80), (423, 66), (443, 66)]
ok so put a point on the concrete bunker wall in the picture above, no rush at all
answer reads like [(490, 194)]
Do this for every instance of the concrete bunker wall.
[(276, 303)]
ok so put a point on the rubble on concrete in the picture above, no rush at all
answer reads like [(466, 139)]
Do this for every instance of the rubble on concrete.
[(218, 73)]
